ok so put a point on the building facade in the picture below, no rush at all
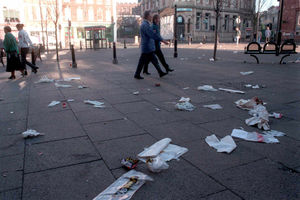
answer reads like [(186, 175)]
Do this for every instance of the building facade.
[(196, 18), (291, 20), (270, 18)]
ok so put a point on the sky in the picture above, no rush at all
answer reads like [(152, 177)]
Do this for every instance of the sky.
[(268, 4)]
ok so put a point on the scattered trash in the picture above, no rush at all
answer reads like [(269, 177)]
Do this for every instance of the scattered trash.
[(156, 164), (149, 89), (247, 73), (252, 86), (53, 103), (71, 79), (184, 104), (276, 115), (157, 109), (213, 106), (248, 85), (96, 104), (124, 187), (297, 60), (226, 144), (157, 84), (260, 117), (248, 104), (199, 58), (155, 149), (63, 86), (211, 59), (232, 91), (253, 136), (136, 93), (274, 133), (235, 52), (45, 79), (129, 163), (207, 88), (31, 133), (64, 105), (82, 86), (255, 87), (186, 88), (70, 100), (11, 112)]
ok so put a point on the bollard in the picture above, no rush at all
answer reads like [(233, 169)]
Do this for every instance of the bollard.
[(175, 48), (115, 61), (74, 64), (106, 44), (189, 40), (80, 45), (32, 57), (60, 46), (125, 44), (39, 53), (109, 44)]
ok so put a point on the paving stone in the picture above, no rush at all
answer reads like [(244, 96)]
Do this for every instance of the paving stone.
[(161, 97), (190, 183), (135, 107), (150, 118), (222, 195), (83, 181), (122, 98), (112, 130), (286, 152), (11, 145), (180, 132), (59, 153), (99, 115), (246, 180), (78, 106), (11, 195), (13, 111), (113, 151), (291, 128), (210, 161), (12, 127), (82, 94)]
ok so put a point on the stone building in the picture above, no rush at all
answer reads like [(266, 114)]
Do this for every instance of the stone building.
[(291, 20), (270, 18), (196, 18)]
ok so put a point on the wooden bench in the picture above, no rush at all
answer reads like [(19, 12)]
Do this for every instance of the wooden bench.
[(286, 49)]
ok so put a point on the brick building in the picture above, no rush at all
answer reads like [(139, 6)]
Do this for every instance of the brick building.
[(291, 20), (128, 17)]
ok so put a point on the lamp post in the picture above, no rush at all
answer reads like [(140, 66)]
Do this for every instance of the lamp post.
[(69, 23), (279, 34), (175, 33)]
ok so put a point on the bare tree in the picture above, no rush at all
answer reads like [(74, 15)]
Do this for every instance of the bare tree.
[(217, 7), (260, 5), (53, 11), (42, 22)]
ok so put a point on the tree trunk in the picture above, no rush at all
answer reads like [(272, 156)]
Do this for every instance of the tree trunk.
[(257, 19), (56, 43), (216, 34), (42, 23)]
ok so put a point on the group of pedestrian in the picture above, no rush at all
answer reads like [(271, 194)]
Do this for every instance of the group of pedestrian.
[(150, 46), (13, 49)]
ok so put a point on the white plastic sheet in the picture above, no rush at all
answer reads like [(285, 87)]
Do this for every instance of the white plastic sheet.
[(82, 86), (247, 73), (207, 88), (186, 106), (155, 149), (274, 133), (156, 164), (124, 188), (70, 100), (226, 144), (213, 106), (246, 104), (211, 60), (232, 91), (62, 85), (183, 99), (31, 133), (71, 78), (136, 93), (45, 79), (53, 103), (253, 136), (96, 104), (186, 88), (260, 117)]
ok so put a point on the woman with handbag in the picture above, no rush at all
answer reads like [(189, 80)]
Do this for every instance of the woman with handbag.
[(12, 53)]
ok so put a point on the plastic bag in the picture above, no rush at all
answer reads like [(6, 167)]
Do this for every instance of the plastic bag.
[(71, 79), (31, 133), (274, 133), (260, 117), (187, 106), (62, 85), (96, 104), (226, 144), (183, 99), (155, 148), (124, 187), (53, 103), (253, 136), (232, 91), (156, 164), (45, 79), (213, 106), (207, 88), (247, 73)]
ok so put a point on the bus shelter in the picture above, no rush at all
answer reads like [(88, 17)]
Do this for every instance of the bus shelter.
[(95, 37)]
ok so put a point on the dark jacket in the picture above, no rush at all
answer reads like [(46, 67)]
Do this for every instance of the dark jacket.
[(148, 37)]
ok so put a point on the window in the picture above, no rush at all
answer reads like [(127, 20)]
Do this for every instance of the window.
[(226, 22), (100, 14), (108, 15), (90, 1), (91, 14), (67, 12), (67, 1), (107, 2), (233, 23), (100, 2), (79, 14), (198, 21), (207, 21), (206, 2), (78, 1)]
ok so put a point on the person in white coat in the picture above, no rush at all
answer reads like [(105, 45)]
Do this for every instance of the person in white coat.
[(24, 45)]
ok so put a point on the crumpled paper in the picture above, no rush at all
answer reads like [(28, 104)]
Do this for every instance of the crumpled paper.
[(232, 91), (82, 86), (213, 106), (31, 133), (156, 164), (62, 85), (45, 79), (187, 106), (53, 103), (136, 93), (207, 88), (124, 187), (274, 133), (260, 117), (253, 136), (183, 99), (226, 144), (247, 73), (248, 104), (96, 104), (71, 79)]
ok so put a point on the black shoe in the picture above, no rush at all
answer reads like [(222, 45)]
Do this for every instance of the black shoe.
[(162, 74), (147, 73), (12, 77), (170, 70), (34, 70), (25, 73), (138, 77)]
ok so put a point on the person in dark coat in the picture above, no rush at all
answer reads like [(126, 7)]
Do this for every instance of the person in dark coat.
[(12, 53), (158, 52), (148, 46)]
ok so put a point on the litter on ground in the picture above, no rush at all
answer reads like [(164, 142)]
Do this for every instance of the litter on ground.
[(62, 85), (232, 91), (274, 133), (96, 104), (247, 73), (183, 99), (253, 136), (45, 79), (129, 163), (186, 88), (71, 79), (82, 86), (248, 104), (260, 117), (184, 104), (31, 133), (276, 115), (226, 144), (53, 103), (124, 187), (207, 88), (70, 100), (213, 106), (136, 93), (211, 60), (156, 164)]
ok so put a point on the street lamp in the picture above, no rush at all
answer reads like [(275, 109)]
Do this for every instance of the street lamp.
[(69, 23), (279, 34), (175, 32)]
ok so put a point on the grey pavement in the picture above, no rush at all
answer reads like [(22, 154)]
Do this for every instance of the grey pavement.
[(79, 154)]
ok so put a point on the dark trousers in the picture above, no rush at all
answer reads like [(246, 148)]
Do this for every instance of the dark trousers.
[(161, 58), (24, 52), (146, 58), (1, 56)]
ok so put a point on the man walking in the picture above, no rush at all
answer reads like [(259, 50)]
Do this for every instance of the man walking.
[(268, 34), (24, 44), (148, 46)]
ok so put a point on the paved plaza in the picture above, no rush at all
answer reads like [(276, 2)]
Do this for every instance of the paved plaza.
[(80, 152)]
